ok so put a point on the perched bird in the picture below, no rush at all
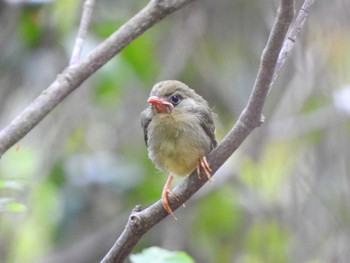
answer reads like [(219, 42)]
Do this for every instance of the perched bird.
[(179, 132)]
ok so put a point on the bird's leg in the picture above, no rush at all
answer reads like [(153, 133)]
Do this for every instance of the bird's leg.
[(202, 163), (165, 198)]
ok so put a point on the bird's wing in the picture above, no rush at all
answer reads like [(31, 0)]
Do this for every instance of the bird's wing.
[(210, 132), (208, 126), (146, 118)]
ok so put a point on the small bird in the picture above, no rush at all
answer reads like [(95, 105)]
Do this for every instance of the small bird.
[(179, 132)]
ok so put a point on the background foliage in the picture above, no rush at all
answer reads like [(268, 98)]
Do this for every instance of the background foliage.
[(67, 188)]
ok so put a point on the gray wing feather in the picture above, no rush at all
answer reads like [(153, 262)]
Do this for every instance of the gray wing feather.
[(146, 118), (208, 125)]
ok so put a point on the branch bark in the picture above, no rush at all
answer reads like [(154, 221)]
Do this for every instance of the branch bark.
[(140, 221), (73, 76)]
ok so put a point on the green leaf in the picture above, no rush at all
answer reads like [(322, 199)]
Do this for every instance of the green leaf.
[(16, 207), (160, 255)]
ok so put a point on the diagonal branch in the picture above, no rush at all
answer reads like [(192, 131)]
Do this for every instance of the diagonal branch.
[(73, 76), (140, 221)]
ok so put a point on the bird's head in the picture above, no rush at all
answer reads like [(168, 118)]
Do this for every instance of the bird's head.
[(170, 95)]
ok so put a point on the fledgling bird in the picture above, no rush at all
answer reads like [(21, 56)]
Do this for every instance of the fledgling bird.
[(179, 132)]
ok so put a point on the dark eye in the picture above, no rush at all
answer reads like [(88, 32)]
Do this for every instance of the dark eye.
[(175, 99)]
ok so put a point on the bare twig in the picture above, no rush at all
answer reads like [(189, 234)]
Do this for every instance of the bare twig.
[(74, 75), (141, 221), (293, 34), (83, 28)]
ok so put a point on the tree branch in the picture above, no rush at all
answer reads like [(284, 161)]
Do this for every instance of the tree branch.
[(141, 221), (76, 74), (82, 32), (293, 34)]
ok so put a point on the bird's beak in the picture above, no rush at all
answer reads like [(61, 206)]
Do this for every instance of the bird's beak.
[(160, 105)]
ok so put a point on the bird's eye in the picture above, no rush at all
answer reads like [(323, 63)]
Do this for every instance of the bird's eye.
[(175, 99)]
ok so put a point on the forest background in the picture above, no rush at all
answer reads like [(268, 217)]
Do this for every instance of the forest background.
[(71, 183)]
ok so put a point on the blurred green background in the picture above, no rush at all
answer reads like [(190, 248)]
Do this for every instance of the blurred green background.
[(67, 188)]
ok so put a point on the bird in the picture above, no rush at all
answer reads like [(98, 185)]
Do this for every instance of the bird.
[(178, 128)]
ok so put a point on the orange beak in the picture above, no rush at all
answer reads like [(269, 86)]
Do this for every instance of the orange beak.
[(159, 104)]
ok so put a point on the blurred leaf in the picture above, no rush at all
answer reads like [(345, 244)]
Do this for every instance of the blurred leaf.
[(316, 261), (106, 93), (76, 140), (338, 60), (19, 164), (57, 175), (247, 258), (160, 255), (30, 27), (16, 207), (110, 82), (141, 55), (150, 189), (266, 176), (108, 87), (220, 219), (136, 61), (11, 184), (36, 231), (267, 242), (67, 14), (7, 205), (227, 214), (105, 28), (315, 102)]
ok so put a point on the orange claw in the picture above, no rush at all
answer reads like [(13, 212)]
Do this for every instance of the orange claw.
[(202, 163), (165, 197)]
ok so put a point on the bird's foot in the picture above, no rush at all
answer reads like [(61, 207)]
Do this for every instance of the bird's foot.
[(202, 163), (165, 197), (165, 201)]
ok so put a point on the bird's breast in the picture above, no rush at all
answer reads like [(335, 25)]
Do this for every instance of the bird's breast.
[(176, 142)]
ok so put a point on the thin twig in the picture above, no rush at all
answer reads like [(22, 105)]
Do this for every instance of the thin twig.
[(74, 75), (141, 221), (293, 34), (82, 32)]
